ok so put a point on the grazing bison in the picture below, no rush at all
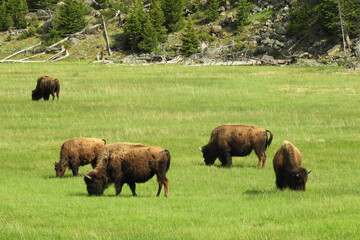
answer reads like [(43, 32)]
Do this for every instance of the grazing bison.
[(45, 86), (236, 140), (123, 163), (78, 152), (288, 170)]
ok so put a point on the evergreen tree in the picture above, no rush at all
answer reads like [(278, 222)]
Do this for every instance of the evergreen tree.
[(190, 41), (41, 4), (329, 17), (149, 41), (299, 16), (158, 20), (5, 18), (134, 26), (18, 10), (212, 11), (242, 13), (71, 17), (173, 10), (351, 10), (103, 3)]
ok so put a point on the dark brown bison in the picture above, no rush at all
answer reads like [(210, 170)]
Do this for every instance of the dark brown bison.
[(45, 86), (288, 170), (78, 152), (236, 140), (130, 164)]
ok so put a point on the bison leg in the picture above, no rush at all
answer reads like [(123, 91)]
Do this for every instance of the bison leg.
[(262, 157), (75, 171), (53, 96), (280, 184), (226, 159), (162, 181), (132, 187), (118, 187)]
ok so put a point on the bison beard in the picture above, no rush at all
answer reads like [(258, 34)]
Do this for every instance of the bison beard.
[(228, 140), (287, 167), (45, 86), (135, 165)]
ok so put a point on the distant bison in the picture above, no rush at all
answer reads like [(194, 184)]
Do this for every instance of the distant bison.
[(123, 163), (78, 152), (45, 86), (236, 140), (288, 170)]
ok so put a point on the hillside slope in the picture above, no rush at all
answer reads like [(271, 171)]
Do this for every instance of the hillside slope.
[(265, 37)]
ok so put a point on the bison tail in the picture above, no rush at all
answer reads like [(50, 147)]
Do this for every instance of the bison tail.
[(268, 142), (168, 162)]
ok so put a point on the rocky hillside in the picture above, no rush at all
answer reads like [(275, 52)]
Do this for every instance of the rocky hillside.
[(265, 40)]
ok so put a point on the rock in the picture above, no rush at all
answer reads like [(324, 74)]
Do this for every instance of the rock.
[(334, 50), (230, 18), (216, 29), (280, 30), (221, 9)]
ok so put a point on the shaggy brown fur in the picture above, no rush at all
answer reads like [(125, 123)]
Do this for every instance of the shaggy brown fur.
[(78, 152), (287, 167), (45, 86), (236, 140), (122, 163)]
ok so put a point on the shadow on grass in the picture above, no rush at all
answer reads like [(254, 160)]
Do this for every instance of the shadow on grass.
[(63, 177), (216, 165), (84, 194), (260, 192)]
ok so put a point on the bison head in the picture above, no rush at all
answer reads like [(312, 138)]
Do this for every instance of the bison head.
[(95, 183), (298, 179), (208, 155), (36, 95), (60, 168)]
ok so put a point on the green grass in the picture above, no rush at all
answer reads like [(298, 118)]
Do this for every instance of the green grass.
[(176, 107)]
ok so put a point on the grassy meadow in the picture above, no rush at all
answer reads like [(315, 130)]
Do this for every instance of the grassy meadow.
[(176, 107)]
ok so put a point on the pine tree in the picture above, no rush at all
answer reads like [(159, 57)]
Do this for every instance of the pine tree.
[(158, 20), (190, 41), (173, 10), (149, 41), (5, 18), (134, 26), (41, 4), (242, 13), (103, 3), (212, 11), (71, 17), (18, 10)]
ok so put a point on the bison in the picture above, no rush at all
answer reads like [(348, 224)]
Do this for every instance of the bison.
[(45, 86), (78, 152), (125, 163), (287, 167), (236, 140)]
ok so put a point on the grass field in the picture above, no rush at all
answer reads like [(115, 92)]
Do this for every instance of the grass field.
[(176, 107)]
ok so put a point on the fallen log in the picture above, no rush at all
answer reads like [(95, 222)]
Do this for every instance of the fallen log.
[(18, 52)]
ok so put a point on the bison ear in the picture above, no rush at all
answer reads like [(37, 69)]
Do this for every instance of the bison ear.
[(200, 149)]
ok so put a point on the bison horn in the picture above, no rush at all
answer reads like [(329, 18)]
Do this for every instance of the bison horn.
[(200, 149), (54, 163), (309, 172), (87, 176)]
